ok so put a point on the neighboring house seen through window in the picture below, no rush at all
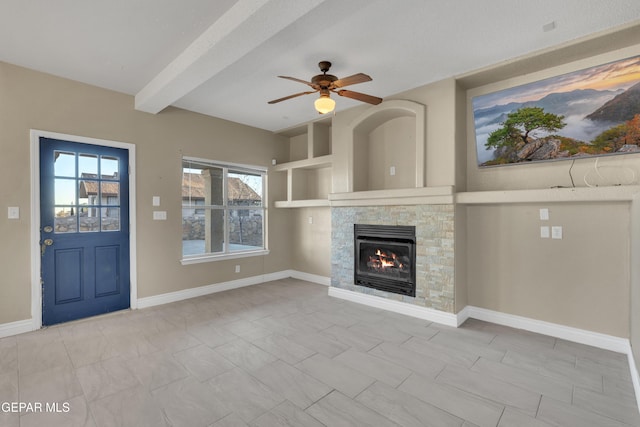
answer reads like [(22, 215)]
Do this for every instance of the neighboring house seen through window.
[(223, 210)]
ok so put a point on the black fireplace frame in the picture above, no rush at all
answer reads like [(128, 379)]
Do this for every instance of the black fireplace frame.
[(392, 234)]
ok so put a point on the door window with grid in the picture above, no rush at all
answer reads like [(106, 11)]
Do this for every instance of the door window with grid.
[(87, 192)]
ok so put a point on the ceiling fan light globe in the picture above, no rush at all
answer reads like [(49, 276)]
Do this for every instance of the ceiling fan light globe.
[(324, 104)]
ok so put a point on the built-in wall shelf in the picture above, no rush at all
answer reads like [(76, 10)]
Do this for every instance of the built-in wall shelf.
[(312, 163), (313, 203), (621, 193), (309, 167), (405, 196)]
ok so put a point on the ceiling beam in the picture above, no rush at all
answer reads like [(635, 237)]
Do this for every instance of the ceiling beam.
[(242, 29)]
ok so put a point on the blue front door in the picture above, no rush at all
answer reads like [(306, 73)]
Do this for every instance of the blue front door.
[(84, 230)]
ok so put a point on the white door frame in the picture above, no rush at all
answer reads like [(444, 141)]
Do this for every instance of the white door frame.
[(36, 286)]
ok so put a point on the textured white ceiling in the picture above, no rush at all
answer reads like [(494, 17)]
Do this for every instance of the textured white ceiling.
[(222, 57)]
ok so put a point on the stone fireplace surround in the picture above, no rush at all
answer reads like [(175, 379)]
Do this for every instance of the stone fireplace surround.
[(434, 250), (358, 198)]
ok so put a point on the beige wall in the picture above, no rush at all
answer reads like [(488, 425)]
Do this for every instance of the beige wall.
[(311, 242), (32, 100), (311, 183), (580, 281), (440, 149), (342, 175), (392, 144), (298, 149)]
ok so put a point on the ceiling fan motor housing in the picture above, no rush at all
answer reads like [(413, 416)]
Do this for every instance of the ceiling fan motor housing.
[(323, 80)]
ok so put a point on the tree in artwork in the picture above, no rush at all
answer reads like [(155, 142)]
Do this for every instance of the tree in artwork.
[(521, 125)]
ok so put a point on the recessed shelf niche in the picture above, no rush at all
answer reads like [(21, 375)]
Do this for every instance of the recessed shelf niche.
[(309, 169), (388, 147)]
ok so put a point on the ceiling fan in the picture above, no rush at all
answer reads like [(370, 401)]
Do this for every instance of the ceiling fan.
[(326, 83)]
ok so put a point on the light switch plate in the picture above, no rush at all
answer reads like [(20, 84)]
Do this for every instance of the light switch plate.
[(556, 232), (13, 212), (392, 170), (156, 200), (544, 232), (160, 215), (544, 214)]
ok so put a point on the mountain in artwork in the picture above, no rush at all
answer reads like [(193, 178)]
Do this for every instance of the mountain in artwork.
[(622, 107), (577, 102)]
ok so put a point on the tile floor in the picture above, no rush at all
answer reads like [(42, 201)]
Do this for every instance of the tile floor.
[(286, 354)]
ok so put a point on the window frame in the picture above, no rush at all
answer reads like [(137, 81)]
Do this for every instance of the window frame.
[(227, 167)]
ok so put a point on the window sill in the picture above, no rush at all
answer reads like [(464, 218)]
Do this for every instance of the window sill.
[(211, 258)]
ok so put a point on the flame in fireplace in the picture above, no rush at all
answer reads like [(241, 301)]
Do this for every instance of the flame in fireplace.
[(384, 261)]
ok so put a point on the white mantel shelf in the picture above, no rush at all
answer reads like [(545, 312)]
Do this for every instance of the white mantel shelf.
[(446, 195), (405, 196), (302, 203), (622, 193)]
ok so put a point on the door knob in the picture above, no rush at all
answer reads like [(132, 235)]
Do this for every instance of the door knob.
[(45, 243)]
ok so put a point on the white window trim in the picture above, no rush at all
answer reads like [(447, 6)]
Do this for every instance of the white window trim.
[(211, 257), (220, 257)]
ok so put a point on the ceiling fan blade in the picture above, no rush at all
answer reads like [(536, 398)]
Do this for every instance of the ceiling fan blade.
[(298, 80), (275, 101), (359, 96), (352, 80)]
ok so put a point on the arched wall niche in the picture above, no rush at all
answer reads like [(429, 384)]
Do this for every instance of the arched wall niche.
[(389, 135)]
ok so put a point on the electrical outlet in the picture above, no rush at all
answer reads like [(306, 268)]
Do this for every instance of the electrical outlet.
[(237, 269), (310, 220), (160, 215), (392, 170), (155, 201)]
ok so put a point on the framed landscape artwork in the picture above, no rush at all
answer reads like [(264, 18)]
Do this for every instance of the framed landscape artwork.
[(591, 112)]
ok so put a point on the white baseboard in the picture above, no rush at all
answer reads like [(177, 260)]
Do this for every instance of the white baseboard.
[(210, 289), (635, 377), (15, 328), (314, 278), (225, 286), (594, 339), (425, 313)]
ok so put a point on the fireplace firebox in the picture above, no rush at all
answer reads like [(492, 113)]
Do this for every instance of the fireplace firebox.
[(385, 258)]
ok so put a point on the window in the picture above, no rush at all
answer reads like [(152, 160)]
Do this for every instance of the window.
[(87, 193), (223, 210)]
